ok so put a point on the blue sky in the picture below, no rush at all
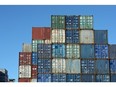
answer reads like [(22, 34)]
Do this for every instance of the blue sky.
[(16, 24)]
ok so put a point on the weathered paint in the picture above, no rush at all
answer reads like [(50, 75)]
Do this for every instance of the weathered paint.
[(58, 77), (112, 51), (73, 78), (88, 78), (113, 66), (102, 78), (44, 78)]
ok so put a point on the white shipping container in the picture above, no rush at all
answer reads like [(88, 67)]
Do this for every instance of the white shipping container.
[(26, 48), (58, 66), (58, 36), (25, 71), (33, 80), (86, 36), (48, 42)]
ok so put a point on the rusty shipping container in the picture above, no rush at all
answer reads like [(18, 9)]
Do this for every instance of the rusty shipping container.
[(34, 71), (24, 80)]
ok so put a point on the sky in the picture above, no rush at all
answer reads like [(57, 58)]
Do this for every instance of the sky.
[(16, 24)]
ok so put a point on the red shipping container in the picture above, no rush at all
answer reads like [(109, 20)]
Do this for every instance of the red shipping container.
[(24, 80), (24, 58), (34, 72), (41, 33)]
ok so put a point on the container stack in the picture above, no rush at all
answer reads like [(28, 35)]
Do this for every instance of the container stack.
[(3, 75)]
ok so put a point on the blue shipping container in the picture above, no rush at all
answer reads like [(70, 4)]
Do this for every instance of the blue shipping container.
[(102, 78), (58, 77), (72, 36), (34, 58), (44, 78), (101, 51), (88, 78), (112, 51), (71, 22), (73, 78), (113, 77), (44, 66), (101, 37), (102, 66), (113, 66), (87, 51), (58, 50), (87, 66), (44, 50)]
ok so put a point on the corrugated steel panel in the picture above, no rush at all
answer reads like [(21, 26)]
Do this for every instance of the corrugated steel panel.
[(58, 21), (44, 78), (33, 80), (44, 50), (102, 78), (34, 71), (73, 78), (88, 78), (26, 47), (58, 50), (113, 66), (87, 66), (58, 36), (73, 66), (34, 58), (112, 51), (102, 66), (25, 71), (101, 36), (86, 22), (40, 33), (24, 80), (113, 77), (72, 51), (58, 77), (34, 44), (71, 22), (48, 41), (86, 36), (58, 66), (72, 36), (87, 51), (24, 58), (101, 51), (44, 66)]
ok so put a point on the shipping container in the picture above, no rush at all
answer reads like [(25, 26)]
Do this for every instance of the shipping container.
[(73, 78), (26, 47), (73, 66), (34, 58), (72, 36), (101, 36), (72, 51), (71, 22), (58, 50), (44, 51), (48, 41), (112, 51), (112, 66), (101, 51), (44, 66), (24, 80), (25, 71), (86, 22), (24, 58), (88, 66), (113, 77), (34, 71), (34, 44), (88, 78), (41, 33), (87, 51), (58, 65), (3, 75), (44, 78), (102, 66), (102, 78), (58, 77), (58, 36), (86, 36), (58, 22), (33, 80)]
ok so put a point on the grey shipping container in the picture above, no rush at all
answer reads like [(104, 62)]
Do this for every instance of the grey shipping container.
[(113, 66), (87, 51), (102, 78), (26, 47), (58, 77), (102, 66), (88, 66), (101, 37), (87, 78), (112, 51), (113, 77), (44, 78), (73, 78), (101, 51)]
